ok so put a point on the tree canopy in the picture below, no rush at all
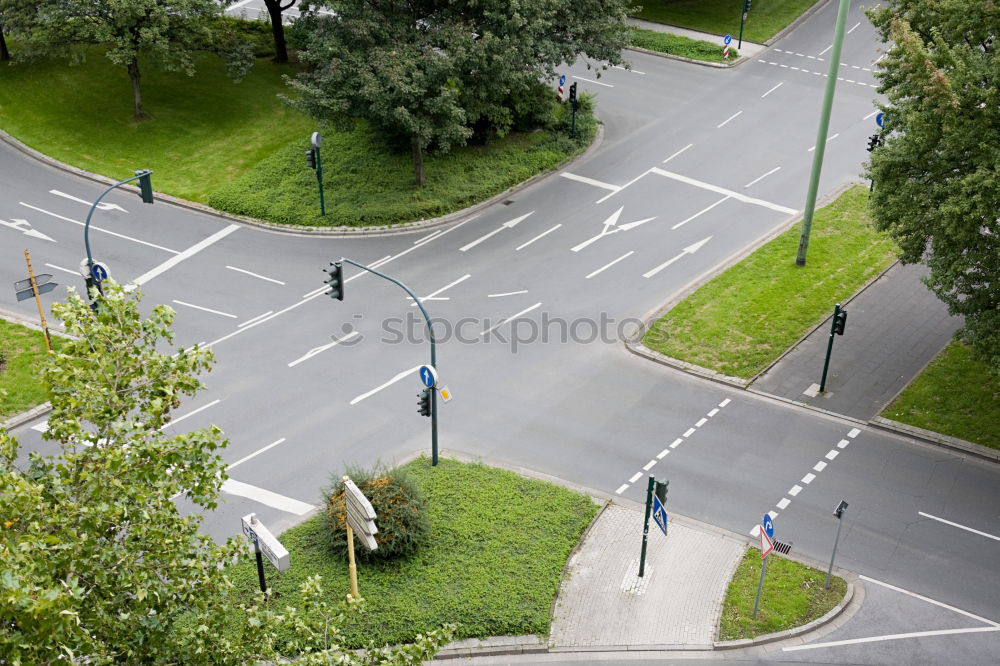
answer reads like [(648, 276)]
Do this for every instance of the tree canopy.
[(937, 173)]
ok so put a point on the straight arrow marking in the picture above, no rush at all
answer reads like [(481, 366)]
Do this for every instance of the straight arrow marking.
[(506, 225), (690, 249), (101, 206), (25, 228)]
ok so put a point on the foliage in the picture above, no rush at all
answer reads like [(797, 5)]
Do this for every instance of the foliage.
[(168, 32), (746, 317), (367, 183), (793, 595), (937, 173), (664, 42), (498, 544), (429, 72), (767, 17), (402, 522), (22, 352), (931, 401)]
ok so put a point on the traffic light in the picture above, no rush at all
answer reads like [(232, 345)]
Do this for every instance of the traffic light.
[(746, 6), (660, 490), (311, 158), (424, 402), (145, 185), (572, 94), (873, 141), (336, 280), (840, 322)]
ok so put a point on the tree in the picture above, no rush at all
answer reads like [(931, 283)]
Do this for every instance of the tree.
[(274, 11), (168, 32), (937, 173), (427, 70), (97, 564)]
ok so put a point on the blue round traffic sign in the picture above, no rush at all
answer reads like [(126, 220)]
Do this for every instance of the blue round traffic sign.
[(99, 271), (429, 376), (768, 525), (879, 119), (562, 79), (727, 39)]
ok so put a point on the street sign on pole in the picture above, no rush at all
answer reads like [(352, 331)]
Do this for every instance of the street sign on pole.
[(272, 549), (360, 514), (429, 376), (880, 119), (660, 515), (768, 524), (99, 271), (445, 393), (766, 545)]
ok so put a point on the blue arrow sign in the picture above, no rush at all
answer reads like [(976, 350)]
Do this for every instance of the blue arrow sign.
[(727, 39), (428, 376), (768, 525), (99, 271), (660, 515), (562, 79), (879, 119)]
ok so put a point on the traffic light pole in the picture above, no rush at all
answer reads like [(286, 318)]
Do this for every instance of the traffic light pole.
[(430, 333), (319, 179), (145, 173), (645, 525), (829, 347)]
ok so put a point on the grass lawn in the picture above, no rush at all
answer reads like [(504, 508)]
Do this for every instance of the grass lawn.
[(719, 17), (681, 46), (497, 548), (746, 317), (793, 595), (24, 350), (932, 402)]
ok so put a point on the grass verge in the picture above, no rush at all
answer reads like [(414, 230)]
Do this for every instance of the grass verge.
[(685, 47), (497, 548), (23, 349), (793, 595), (931, 401), (743, 319), (767, 17)]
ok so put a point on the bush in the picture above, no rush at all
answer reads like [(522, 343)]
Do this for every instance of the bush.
[(403, 527)]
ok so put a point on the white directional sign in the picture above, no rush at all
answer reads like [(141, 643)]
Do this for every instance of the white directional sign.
[(267, 542), (360, 514)]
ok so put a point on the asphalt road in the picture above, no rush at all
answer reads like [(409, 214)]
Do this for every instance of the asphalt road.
[(697, 164)]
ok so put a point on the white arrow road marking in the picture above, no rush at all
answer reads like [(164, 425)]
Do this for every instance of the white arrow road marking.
[(280, 502), (25, 228), (96, 228), (506, 225), (432, 297), (392, 381), (322, 348), (690, 249), (611, 226), (511, 318), (101, 206)]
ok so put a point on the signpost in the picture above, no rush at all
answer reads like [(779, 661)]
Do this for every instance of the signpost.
[(314, 160), (562, 82), (766, 546), (839, 513), (361, 519), (429, 376), (264, 544), (660, 515), (837, 326), (32, 288), (725, 49), (656, 498)]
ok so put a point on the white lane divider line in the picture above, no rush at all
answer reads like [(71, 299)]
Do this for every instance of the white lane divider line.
[(541, 235), (428, 237), (631, 182), (828, 140), (662, 454), (732, 117), (507, 293), (688, 432), (808, 478), (820, 466), (511, 318), (681, 150), (823, 52), (724, 403), (721, 190), (842, 444), (892, 637), (606, 266), (873, 113), (676, 443), (64, 270), (760, 178), (433, 296), (772, 90), (700, 213), (634, 71), (690, 249), (783, 503), (580, 78), (635, 477), (255, 454), (713, 412), (622, 488), (510, 224), (178, 258), (854, 433), (256, 275), (590, 181), (322, 348), (795, 490), (266, 497), (648, 466), (832, 453), (252, 320), (931, 601), (701, 422), (961, 527), (854, 28), (190, 414), (392, 381), (96, 228), (204, 309)]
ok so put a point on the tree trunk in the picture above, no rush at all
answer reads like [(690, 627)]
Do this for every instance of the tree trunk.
[(274, 10), (138, 113), (4, 53), (418, 161)]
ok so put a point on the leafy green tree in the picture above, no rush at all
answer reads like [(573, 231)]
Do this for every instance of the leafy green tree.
[(97, 564), (428, 70), (274, 12), (168, 32), (937, 172)]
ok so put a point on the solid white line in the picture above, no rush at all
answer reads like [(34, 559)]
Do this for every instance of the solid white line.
[(681, 150), (624, 256), (479, 240), (100, 206), (94, 228), (427, 237), (833, 453), (189, 414), (392, 381), (255, 453), (238, 5), (855, 26), (524, 311), (316, 350), (724, 402), (891, 637), (808, 478), (319, 290), (384, 259), (688, 432), (961, 527), (649, 465), (823, 52), (198, 307), (634, 71), (714, 412), (760, 178), (930, 601), (266, 497), (700, 212), (721, 190), (431, 296), (783, 503), (250, 321), (795, 490), (622, 488), (509, 293), (65, 270), (700, 423), (662, 453), (772, 89), (676, 442), (590, 181), (831, 138), (728, 119), (843, 443), (820, 466), (854, 433), (523, 245), (580, 78), (635, 477), (186, 254), (607, 196), (240, 270)]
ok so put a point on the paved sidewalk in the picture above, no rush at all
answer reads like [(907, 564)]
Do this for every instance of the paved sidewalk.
[(894, 328), (748, 50)]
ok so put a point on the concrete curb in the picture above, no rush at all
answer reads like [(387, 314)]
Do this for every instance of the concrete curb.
[(936, 439), (341, 232), (704, 63), (24, 417)]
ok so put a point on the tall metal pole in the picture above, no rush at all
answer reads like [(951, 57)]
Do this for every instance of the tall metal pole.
[(319, 177), (829, 347), (430, 334), (93, 207), (760, 586), (839, 513), (645, 524), (821, 134)]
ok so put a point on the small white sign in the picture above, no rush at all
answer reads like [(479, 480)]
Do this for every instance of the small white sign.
[(269, 545), (445, 394)]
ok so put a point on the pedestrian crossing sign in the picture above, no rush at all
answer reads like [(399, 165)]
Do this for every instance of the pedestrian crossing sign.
[(660, 515)]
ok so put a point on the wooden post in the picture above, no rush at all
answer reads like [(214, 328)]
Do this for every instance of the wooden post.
[(351, 566), (38, 301)]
